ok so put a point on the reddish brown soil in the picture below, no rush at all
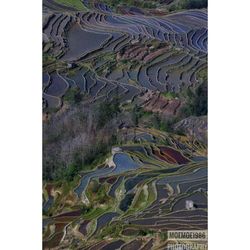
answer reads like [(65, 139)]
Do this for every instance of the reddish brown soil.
[(148, 245), (135, 244), (98, 246), (49, 188), (135, 52), (130, 231), (164, 157), (112, 180), (83, 227), (180, 159), (59, 227), (65, 219), (54, 242), (102, 179), (155, 102), (72, 213), (153, 55)]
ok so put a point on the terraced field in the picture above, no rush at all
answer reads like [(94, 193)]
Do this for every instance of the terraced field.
[(130, 54), (142, 190), (145, 185)]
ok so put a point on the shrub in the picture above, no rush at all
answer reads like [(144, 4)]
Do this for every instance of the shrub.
[(196, 101), (94, 186), (72, 141), (163, 124), (189, 4), (193, 4), (73, 95), (106, 111)]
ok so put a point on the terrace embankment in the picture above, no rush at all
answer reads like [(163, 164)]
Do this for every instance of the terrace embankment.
[(134, 53), (145, 192), (125, 154)]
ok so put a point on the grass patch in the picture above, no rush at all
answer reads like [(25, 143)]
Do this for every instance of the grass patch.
[(112, 230), (77, 4), (94, 213), (48, 59), (170, 95), (151, 193), (141, 200), (73, 95), (97, 193), (145, 4), (203, 74)]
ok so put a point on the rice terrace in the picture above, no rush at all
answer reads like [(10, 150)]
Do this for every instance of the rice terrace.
[(124, 91)]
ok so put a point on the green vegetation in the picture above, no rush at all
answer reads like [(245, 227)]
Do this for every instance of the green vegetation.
[(155, 120), (137, 113), (61, 164), (163, 124), (147, 4), (100, 203), (112, 230), (196, 101), (77, 4), (94, 186), (170, 95), (203, 75), (144, 232), (95, 154), (94, 213), (193, 4), (163, 236), (48, 59), (158, 123), (189, 4), (151, 193), (106, 111), (70, 172), (141, 200), (97, 193), (73, 96), (114, 164)]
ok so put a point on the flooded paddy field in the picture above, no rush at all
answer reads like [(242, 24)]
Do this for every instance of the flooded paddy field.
[(148, 171), (81, 41), (85, 36), (137, 200)]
